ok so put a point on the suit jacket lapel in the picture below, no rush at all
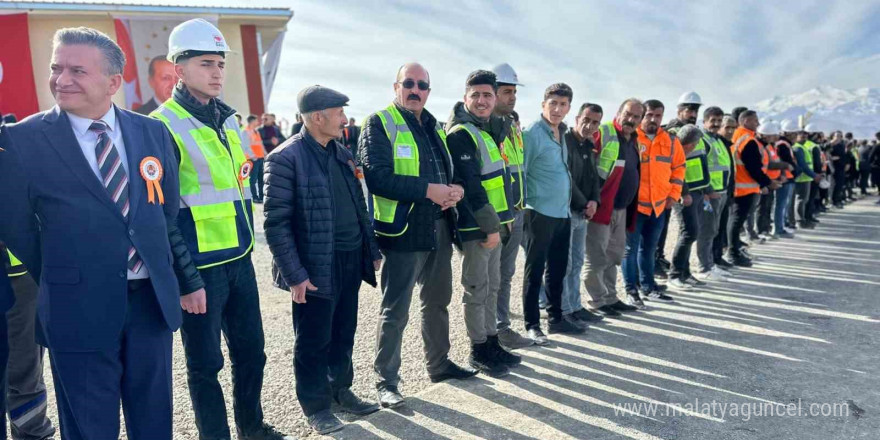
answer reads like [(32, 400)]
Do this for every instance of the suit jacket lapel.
[(60, 134), (133, 137)]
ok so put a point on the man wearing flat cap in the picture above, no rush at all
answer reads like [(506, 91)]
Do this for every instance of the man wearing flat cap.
[(323, 246), (214, 231)]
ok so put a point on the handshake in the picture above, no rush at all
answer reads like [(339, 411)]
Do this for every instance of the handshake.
[(446, 196)]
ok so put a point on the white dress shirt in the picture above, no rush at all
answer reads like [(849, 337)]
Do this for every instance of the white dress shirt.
[(88, 140)]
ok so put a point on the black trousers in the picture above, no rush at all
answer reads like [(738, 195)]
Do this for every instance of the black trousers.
[(720, 241), (661, 245), (738, 214), (839, 193), (814, 200), (864, 174), (324, 336), (689, 229), (547, 242), (765, 213)]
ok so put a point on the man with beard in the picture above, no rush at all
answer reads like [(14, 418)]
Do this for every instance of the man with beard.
[(409, 173), (504, 125), (688, 105), (720, 163), (484, 219), (661, 180), (618, 168)]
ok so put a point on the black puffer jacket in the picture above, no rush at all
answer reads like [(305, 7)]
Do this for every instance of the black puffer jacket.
[(378, 162), (299, 211)]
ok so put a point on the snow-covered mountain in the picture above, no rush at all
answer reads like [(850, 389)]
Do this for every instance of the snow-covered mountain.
[(855, 110)]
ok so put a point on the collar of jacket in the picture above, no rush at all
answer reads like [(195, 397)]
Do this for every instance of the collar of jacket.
[(500, 127), (549, 130), (332, 149), (212, 114), (580, 143), (428, 120), (460, 116)]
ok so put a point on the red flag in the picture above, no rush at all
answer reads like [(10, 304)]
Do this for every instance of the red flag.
[(130, 84), (18, 93)]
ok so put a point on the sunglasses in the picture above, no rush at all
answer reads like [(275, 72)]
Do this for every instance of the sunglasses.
[(410, 83)]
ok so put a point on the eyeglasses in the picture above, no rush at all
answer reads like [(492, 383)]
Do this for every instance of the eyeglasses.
[(410, 83)]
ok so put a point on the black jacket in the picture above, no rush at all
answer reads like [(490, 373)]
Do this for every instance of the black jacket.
[(753, 162), (299, 209), (267, 133), (582, 167), (474, 210), (378, 162)]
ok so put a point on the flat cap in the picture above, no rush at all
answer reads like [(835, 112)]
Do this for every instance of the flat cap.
[(315, 98)]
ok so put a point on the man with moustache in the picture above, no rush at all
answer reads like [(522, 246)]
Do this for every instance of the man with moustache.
[(584, 202), (688, 105), (618, 168), (409, 173), (484, 218), (719, 166), (504, 125), (322, 254), (661, 175), (547, 216)]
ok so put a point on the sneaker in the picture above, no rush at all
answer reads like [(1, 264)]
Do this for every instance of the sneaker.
[(753, 236), (774, 237), (660, 287), (453, 371), (536, 335), (664, 263), (607, 311), (483, 359), (659, 272), (511, 340), (722, 263), (564, 327), (632, 298), (785, 234), (389, 397), (352, 404), (502, 355), (741, 261), (694, 282), (325, 422), (265, 432), (678, 284), (656, 295), (586, 316), (573, 320), (706, 276), (621, 307), (721, 272)]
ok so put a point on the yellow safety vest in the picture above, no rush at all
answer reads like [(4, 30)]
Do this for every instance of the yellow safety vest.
[(492, 173)]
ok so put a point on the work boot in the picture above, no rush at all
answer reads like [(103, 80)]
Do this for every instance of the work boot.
[(483, 360), (502, 355)]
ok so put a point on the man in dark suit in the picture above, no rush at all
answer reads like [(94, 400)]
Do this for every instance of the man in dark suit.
[(90, 202), (162, 80)]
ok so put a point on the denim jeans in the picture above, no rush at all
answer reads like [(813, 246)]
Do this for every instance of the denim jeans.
[(641, 246), (233, 308), (571, 288), (257, 180), (783, 196)]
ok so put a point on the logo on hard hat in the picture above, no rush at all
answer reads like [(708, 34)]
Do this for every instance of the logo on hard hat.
[(218, 40)]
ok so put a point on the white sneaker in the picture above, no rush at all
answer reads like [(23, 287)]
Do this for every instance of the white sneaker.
[(721, 272), (709, 276), (676, 283)]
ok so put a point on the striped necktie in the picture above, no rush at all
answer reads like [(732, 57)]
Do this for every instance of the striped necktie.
[(115, 180)]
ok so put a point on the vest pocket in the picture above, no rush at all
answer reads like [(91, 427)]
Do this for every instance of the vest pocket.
[(215, 226)]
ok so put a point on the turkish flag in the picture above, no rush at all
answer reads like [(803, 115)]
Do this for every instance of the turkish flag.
[(18, 93), (131, 86)]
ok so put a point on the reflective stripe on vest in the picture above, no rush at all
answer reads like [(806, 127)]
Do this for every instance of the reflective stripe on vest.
[(808, 159), (16, 268), (610, 150), (209, 183), (390, 216), (492, 172), (745, 184), (513, 154), (694, 167), (772, 157), (719, 162)]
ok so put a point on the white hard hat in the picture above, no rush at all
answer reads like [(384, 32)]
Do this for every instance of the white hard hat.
[(810, 128), (196, 35), (789, 126), (690, 98), (506, 75), (769, 128)]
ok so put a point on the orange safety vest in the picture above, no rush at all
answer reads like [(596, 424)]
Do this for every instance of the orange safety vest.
[(772, 156), (256, 144), (788, 174), (661, 173), (745, 184)]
